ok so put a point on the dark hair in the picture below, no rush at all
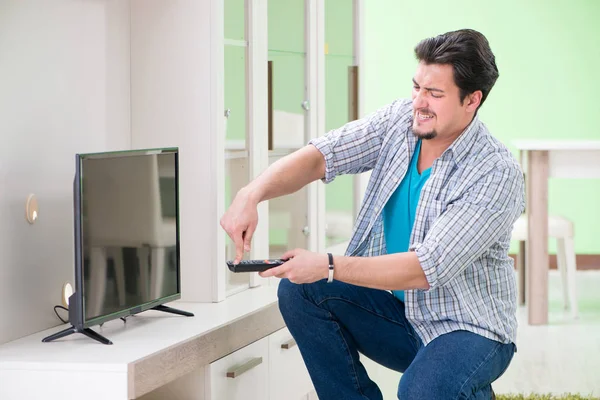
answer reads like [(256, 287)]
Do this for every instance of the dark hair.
[(469, 53)]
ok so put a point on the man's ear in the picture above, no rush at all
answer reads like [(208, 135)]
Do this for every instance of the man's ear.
[(474, 100)]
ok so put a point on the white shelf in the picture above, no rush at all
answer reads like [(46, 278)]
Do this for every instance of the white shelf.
[(235, 145), (338, 249), (281, 152), (151, 341), (235, 154), (236, 43), (275, 154), (235, 289)]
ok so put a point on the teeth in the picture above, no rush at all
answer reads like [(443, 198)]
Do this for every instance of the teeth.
[(422, 116)]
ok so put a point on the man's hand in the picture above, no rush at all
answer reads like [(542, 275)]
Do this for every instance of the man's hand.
[(303, 266), (239, 221)]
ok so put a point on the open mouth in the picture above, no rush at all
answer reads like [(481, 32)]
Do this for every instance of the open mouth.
[(424, 116)]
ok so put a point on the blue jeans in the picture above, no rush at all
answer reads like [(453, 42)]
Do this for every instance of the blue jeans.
[(333, 322)]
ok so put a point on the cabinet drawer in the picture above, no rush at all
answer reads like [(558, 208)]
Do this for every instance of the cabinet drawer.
[(289, 377), (243, 374)]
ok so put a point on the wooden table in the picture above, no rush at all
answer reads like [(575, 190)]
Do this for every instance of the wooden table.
[(543, 159)]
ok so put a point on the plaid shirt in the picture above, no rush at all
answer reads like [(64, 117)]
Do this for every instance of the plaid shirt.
[(463, 224)]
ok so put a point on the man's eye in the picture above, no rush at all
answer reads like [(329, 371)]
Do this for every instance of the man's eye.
[(437, 96)]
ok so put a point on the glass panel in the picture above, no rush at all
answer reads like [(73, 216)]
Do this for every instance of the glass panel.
[(288, 95), (287, 54), (235, 96), (236, 177), (338, 59), (235, 19), (339, 27), (286, 26), (287, 220), (235, 106)]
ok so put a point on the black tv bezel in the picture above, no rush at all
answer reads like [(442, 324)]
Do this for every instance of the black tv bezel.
[(77, 315)]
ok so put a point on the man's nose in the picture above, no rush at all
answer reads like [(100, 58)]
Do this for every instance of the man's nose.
[(419, 100)]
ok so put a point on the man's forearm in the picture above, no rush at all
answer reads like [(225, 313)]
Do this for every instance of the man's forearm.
[(401, 271), (288, 174)]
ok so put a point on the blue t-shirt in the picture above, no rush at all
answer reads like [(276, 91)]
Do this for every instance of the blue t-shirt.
[(399, 212)]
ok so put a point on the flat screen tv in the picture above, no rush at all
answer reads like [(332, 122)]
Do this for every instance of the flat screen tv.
[(126, 230)]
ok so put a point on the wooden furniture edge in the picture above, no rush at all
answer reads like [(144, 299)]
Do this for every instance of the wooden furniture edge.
[(584, 262), (158, 369)]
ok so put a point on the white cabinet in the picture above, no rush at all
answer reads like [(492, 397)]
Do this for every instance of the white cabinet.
[(387, 379), (241, 375), (312, 396), (174, 78), (288, 376), (200, 81), (271, 368), (185, 74), (241, 104), (188, 387)]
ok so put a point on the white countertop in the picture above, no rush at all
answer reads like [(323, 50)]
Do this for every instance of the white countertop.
[(142, 335)]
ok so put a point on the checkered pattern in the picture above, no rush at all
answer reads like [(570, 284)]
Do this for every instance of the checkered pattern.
[(463, 223)]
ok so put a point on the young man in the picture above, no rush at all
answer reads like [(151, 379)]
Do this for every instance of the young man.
[(426, 287)]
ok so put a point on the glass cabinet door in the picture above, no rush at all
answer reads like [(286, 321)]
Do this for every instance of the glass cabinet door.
[(340, 108), (287, 117), (235, 56), (235, 20)]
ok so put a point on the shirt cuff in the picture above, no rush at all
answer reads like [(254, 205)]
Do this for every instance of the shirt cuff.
[(324, 146), (427, 260)]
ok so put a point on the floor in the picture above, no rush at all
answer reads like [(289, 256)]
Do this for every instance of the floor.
[(561, 357)]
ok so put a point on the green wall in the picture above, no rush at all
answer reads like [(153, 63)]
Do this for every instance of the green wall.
[(547, 53)]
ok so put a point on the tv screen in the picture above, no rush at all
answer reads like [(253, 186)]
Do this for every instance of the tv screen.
[(129, 232), (126, 230)]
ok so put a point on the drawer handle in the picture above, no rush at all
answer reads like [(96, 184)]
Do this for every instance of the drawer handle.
[(289, 344), (247, 366)]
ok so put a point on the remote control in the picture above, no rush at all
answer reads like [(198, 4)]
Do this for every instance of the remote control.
[(254, 265)]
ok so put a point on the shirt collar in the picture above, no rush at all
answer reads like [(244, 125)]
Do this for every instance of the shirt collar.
[(463, 143)]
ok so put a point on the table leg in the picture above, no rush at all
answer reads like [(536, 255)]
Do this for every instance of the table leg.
[(521, 270), (521, 255), (536, 252)]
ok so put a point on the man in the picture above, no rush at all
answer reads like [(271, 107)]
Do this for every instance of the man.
[(426, 287)]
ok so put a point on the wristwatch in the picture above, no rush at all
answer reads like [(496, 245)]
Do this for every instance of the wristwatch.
[(330, 278)]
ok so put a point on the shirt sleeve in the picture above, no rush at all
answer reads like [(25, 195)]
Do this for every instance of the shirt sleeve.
[(471, 225), (355, 147)]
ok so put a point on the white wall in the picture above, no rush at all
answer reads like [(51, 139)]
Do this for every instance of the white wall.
[(64, 89)]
